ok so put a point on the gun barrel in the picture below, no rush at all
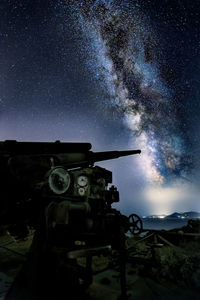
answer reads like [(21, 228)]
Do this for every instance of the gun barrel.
[(69, 155), (100, 156)]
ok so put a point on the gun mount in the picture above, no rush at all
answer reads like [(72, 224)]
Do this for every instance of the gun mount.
[(56, 188), (55, 170)]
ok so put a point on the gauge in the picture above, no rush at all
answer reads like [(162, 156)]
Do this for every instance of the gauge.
[(59, 180), (82, 180), (81, 191)]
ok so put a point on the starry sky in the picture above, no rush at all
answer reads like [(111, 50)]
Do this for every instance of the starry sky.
[(119, 74)]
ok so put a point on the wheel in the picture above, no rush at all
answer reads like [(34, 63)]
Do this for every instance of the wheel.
[(135, 224)]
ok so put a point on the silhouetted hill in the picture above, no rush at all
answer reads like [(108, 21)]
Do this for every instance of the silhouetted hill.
[(176, 215), (188, 214)]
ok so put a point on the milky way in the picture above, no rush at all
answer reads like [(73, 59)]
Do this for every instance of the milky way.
[(121, 74), (123, 55)]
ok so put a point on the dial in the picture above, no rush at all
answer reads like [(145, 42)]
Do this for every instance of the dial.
[(81, 191), (59, 180), (82, 180)]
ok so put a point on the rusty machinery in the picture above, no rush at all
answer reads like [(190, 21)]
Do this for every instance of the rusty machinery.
[(56, 188)]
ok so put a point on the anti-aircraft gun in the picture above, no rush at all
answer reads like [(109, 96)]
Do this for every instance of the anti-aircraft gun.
[(56, 188)]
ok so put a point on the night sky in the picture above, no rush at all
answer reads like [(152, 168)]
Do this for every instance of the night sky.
[(119, 74)]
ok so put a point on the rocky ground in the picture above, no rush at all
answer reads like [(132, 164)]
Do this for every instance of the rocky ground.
[(164, 265)]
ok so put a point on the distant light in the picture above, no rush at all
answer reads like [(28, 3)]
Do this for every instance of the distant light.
[(178, 197), (163, 198)]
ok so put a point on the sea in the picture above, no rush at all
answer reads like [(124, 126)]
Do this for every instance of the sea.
[(165, 224)]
